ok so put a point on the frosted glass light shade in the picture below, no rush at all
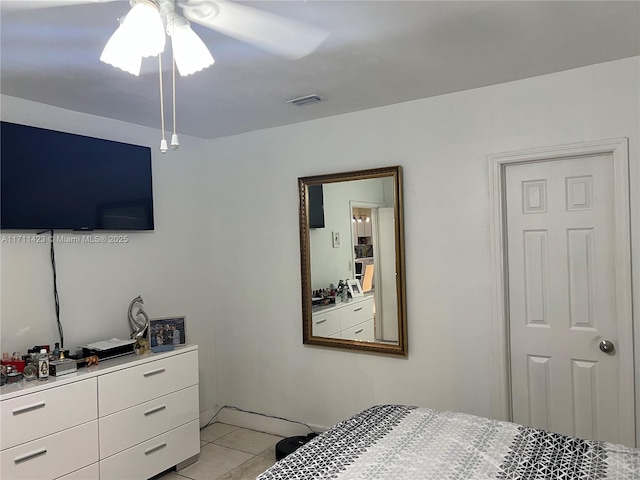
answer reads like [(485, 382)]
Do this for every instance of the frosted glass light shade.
[(118, 52), (189, 51), (144, 25), (141, 34)]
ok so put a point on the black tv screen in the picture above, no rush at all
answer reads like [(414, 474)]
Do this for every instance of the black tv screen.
[(63, 181)]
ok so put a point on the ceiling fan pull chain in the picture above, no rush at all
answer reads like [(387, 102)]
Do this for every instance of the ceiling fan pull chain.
[(163, 142), (174, 138)]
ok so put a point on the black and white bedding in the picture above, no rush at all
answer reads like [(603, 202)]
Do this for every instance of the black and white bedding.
[(396, 442)]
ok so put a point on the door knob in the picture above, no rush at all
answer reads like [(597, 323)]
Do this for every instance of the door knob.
[(606, 346)]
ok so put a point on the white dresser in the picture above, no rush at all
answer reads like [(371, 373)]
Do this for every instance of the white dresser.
[(128, 418), (352, 320)]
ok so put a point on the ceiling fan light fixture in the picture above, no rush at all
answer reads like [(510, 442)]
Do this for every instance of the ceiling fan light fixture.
[(140, 34), (190, 52), (145, 29), (118, 52)]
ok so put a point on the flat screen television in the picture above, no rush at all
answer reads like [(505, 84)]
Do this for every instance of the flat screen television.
[(62, 181)]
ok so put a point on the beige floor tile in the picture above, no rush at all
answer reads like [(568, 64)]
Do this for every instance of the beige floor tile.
[(249, 470), (248, 441), (214, 462), (269, 453), (202, 443), (215, 431)]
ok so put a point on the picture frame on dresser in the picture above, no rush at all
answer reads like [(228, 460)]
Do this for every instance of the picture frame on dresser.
[(167, 333), (355, 288)]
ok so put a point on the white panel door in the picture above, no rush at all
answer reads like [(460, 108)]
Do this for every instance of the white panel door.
[(562, 299)]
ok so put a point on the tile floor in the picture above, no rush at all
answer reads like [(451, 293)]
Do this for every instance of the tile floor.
[(229, 453)]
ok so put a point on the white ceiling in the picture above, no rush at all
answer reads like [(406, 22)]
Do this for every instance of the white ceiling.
[(378, 53)]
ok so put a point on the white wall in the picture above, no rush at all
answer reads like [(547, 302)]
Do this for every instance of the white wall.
[(169, 267), (225, 248), (442, 144)]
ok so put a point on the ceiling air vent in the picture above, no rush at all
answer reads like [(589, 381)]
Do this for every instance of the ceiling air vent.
[(306, 100)]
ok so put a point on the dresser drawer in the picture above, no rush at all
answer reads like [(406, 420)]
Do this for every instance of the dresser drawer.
[(326, 323), (52, 456), (356, 313), (92, 472), (153, 456), (43, 413), (129, 427), (139, 384), (363, 331)]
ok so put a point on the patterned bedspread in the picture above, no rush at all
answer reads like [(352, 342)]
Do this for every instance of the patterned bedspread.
[(395, 442)]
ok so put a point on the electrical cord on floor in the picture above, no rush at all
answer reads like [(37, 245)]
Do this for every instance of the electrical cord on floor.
[(231, 407)]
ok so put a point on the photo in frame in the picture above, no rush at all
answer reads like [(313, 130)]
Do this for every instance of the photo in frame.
[(167, 333), (355, 288)]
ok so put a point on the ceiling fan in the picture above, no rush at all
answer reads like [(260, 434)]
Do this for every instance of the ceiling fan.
[(273, 33), (143, 31)]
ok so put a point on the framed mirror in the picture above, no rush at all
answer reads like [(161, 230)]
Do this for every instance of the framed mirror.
[(352, 261)]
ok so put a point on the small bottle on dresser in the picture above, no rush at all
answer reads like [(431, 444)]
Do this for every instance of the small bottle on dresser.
[(43, 365)]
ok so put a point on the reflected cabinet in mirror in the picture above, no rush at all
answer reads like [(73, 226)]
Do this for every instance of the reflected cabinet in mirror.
[(352, 260)]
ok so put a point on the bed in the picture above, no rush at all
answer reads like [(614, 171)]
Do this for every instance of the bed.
[(397, 442)]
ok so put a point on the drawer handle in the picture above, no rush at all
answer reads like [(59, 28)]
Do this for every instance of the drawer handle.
[(359, 331), (28, 408), (153, 372), (29, 456), (154, 410), (155, 449), (357, 309), (321, 321)]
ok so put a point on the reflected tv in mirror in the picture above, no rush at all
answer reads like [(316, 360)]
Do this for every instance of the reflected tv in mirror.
[(62, 181), (316, 206)]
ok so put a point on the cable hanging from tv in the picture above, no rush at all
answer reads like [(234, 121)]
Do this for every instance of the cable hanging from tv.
[(56, 298)]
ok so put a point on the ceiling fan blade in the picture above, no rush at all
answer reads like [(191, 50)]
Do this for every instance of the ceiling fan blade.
[(268, 31), (16, 5)]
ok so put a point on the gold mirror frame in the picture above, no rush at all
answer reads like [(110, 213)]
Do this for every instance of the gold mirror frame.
[(401, 349)]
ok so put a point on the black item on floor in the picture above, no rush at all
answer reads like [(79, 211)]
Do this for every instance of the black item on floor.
[(291, 444)]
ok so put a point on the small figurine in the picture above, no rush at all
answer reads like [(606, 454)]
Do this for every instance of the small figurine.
[(92, 360), (141, 346), (139, 326)]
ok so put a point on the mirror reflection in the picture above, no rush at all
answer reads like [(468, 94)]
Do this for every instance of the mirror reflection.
[(353, 261)]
